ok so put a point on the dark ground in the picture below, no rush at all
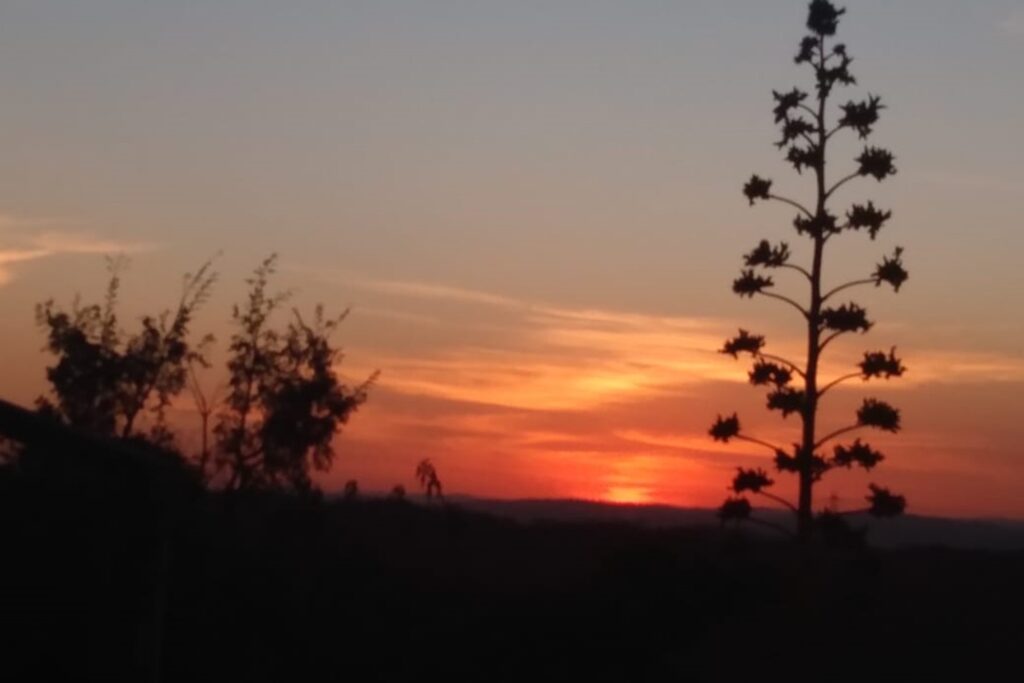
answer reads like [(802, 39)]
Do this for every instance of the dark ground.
[(107, 576)]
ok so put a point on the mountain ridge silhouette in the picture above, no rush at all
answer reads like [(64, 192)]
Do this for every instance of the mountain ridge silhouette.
[(967, 533)]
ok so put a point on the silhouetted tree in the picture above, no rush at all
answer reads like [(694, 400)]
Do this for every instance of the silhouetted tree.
[(284, 401), (105, 378), (806, 133), (426, 473)]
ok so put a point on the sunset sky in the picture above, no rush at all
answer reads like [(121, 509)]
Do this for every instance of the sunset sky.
[(533, 210)]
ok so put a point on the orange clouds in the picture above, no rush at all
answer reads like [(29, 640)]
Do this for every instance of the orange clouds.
[(512, 398), (18, 248), (520, 399)]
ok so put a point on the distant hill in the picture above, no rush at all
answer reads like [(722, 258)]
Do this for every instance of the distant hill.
[(910, 530)]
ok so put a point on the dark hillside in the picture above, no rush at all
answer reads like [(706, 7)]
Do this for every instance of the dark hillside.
[(104, 580)]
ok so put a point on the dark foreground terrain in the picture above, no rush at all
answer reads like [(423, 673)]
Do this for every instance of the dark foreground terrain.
[(130, 572)]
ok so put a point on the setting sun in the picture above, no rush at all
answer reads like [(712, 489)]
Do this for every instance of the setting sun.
[(633, 495)]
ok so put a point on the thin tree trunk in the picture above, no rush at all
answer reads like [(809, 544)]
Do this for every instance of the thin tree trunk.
[(805, 507)]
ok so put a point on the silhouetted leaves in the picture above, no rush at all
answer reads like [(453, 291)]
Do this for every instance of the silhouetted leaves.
[(802, 157), (830, 75), (861, 116), (757, 188), (818, 466), (744, 342), (891, 270), (857, 453), (285, 402), (784, 462), (823, 17), (734, 510), (884, 503), (880, 364), (787, 400), (768, 256), (752, 480), (725, 428), (304, 404), (832, 68), (846, 318), (876, 162), (105, 378), (815, 226), (750, 283), (793, 129), (808, 46), (878, 414), (867, 216), (766, 372), (786, 102)]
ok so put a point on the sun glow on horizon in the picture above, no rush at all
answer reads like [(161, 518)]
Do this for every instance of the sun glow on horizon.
[(631, 495)]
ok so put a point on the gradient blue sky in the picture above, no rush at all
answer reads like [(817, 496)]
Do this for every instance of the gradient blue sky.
[(533, 209)]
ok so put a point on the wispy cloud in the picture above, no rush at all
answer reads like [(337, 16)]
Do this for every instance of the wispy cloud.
[(963, 367), (18, 248), (612, 404), (539, 356), (421, 290), (8, 256), (553, 359)]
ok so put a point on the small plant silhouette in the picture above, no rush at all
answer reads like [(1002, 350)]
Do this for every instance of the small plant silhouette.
[(806, 133), (426, 473)]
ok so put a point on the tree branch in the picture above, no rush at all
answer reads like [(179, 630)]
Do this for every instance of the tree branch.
[(852, 283), (840, 183), (798, 269), (772, 447), (789, 301), (839, 432), (798, 205), (808, 110), (777, 499), (829, 338), (838, 380), (792, 366)]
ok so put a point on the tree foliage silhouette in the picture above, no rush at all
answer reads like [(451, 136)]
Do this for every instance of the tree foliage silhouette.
[(282, 405), (806, 133), (284, 401), (105, 378)]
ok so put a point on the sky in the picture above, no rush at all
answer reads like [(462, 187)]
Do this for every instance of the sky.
[(533, 211)]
